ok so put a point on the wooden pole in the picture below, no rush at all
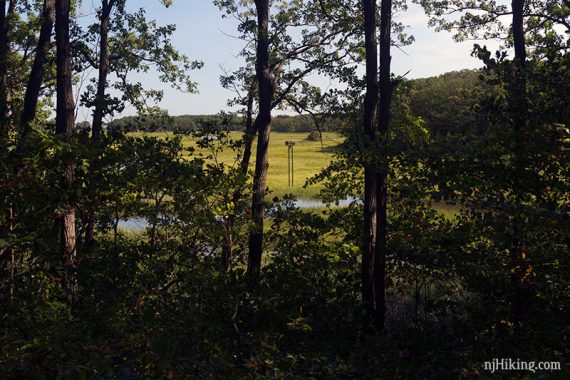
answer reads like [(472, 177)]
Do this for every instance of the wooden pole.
[(289, 165), (292, 167)]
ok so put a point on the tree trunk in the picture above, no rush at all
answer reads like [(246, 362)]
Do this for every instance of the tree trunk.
[(382, 200), (370, 173), (4, 45), (38, 68), (262, 126), (519, 108), (5, 16), (100, 104), (64, 126), (248, 137), (518, 96), (250, 130)]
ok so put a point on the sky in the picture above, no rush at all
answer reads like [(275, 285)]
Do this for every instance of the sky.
[(202, 34)]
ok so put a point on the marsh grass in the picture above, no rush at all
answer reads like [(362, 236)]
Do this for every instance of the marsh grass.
[(310, 157)]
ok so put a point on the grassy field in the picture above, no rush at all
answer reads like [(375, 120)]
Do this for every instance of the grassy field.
[(309, 159)]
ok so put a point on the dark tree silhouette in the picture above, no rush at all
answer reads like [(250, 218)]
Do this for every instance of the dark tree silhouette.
[(65, 120)]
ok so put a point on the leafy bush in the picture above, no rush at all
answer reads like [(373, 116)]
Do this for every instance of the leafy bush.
[(313, 136)]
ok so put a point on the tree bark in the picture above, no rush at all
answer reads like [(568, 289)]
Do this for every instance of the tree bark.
[(382, 196), (519, 103), (370, 173), (38, 68), (519, 107), (64, 126), (262, 126), (249, 135), (250, 131), (100, 104), (4, 44), (5, 16)]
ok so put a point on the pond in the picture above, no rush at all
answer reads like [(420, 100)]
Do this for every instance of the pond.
[(315, 203), (138, 223)]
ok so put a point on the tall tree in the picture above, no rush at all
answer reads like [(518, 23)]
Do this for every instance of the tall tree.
[(120, 43), (100, 103), (36, 77), (382, 200), (98, 113), (4, 46), (376, 161), (370, 172), (520, 117), (262, 126), (5, 18), (65, 120), (283, 62)]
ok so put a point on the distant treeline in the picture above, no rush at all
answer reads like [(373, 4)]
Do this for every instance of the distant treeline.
[(447, 103), (280, 123)]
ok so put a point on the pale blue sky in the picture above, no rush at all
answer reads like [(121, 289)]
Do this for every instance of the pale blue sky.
[(203, 34)]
